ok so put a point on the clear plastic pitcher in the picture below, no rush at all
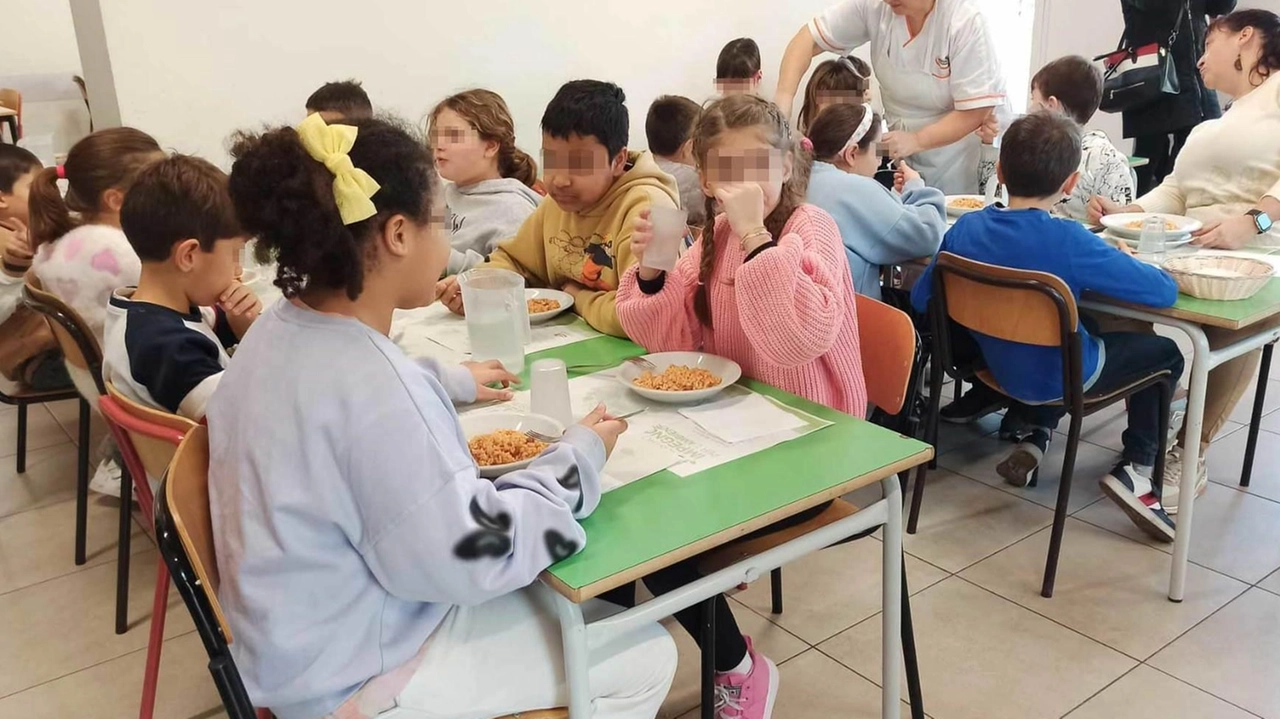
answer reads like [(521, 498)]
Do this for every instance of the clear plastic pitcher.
[(497, 316)]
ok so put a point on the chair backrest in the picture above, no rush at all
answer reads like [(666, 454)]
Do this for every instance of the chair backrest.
[(147, 439), (1034, 308), (888, 340), (12, 99), (79, 345), (184, 533)]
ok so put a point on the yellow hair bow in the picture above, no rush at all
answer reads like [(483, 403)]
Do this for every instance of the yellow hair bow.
[(352, 187)]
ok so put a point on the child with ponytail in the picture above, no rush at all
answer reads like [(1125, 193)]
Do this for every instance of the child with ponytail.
[(878, 226), (81, 255), (489, 190), (343, 497)]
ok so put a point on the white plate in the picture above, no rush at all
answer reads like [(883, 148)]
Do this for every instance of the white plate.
[(474, 425), (1169, 243), (564, 298), (1119, 224), (726, 369), (960, 211)]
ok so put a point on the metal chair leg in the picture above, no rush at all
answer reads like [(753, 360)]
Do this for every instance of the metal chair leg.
[(122, 567), (775, 586), (22, 437), (1260, 396), (82, 482), (1166, 390), (708, 645), (1060, 511), (151, 674), (931, 438), (914, 693)]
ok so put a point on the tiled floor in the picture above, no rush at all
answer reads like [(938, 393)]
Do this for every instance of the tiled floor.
[(1107, 645)]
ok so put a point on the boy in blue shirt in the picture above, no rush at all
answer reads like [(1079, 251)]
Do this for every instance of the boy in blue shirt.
[(1038, 164)]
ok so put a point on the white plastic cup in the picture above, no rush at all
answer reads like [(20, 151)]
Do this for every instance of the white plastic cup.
[(1152, 242), (669, 230), (549, 390)]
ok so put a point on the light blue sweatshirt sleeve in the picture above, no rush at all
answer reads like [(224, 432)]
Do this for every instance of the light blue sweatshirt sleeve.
[(1104, 269), (884, 229), (456, 379), (434, 531)]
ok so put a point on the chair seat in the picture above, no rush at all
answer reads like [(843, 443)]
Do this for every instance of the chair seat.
[(735, 552), (560, 713), (1091, 399), (18, 393)]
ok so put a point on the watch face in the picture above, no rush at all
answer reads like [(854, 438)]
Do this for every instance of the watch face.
[(1263, 221)]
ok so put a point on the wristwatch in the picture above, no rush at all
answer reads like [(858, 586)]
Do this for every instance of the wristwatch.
[(1261, 220)]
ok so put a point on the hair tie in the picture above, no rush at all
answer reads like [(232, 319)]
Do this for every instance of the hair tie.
[(352, 187), (807, 144), (62, 172), (852, 68)]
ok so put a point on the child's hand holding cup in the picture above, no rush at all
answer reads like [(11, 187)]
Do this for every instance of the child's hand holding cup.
[(665, 233)]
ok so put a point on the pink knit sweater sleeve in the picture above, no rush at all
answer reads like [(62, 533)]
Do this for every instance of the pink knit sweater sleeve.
[(792, 298), (664, 321)]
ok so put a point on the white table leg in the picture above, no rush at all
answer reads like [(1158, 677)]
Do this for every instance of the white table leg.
[(1201, 359), (891, 616), (573, 633)]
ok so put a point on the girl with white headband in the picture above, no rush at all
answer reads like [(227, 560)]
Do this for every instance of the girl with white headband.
[(878, 226)]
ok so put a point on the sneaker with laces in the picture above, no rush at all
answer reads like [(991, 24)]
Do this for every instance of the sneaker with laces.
[(1024, 459), (1171, 489), (106, 479), (750, 695), (1136, 496)]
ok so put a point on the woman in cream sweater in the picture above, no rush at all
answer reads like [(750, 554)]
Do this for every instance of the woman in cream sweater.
[(1228, 176)]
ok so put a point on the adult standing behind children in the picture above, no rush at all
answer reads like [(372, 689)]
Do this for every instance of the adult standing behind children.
[(938, 71), (579, 238), (344, 100), (1228, 176), (489, 192), (669, 129), (368, 570), (1159, 129)]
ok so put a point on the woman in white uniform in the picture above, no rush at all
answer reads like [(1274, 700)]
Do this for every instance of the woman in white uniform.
[(938, 72)]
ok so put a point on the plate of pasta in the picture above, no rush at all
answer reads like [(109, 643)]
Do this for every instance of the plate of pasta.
[(679, 377), (1129, 224), (498, 442), (545, 304), (959, 205)]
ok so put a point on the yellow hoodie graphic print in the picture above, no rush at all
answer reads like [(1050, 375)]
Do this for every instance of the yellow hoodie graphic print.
[(592, 247)]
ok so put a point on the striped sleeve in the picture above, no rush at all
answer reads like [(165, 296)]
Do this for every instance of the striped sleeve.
[(976, 79)]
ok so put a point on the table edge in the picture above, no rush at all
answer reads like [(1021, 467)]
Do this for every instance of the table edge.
[(631, 574)]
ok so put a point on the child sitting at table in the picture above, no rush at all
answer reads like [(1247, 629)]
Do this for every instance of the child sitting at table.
[(369, 571), (579, 238), (1073, 86), (738, 68), (843, 81), (166, 340), (489, 193), (1039, 163), (29, 352), (669, 129), (340, 101), (878, 226)]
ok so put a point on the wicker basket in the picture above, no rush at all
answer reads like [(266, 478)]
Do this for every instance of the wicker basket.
[(1219, 278)]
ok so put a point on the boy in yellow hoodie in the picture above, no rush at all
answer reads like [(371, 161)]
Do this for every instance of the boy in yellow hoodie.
[(579, 238)]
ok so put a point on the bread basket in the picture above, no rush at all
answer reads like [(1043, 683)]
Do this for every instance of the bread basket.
[(1219, 277)]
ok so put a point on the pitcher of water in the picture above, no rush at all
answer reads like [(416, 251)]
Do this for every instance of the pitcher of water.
[(497, 316)]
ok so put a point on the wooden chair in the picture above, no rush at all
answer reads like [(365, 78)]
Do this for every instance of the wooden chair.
[(1034, 308), (12, 99), (147, 439), (81, 352), (891, 368)]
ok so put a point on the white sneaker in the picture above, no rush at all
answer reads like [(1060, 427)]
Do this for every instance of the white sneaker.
[(106, 479), (1171, 489)]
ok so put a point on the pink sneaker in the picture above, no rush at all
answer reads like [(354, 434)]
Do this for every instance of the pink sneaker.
[(751, 695)]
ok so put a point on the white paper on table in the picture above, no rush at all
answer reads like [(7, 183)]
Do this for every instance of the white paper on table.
[(742, 417), (437, 324)]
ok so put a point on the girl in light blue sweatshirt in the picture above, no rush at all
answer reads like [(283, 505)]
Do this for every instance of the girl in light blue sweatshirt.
[(368, 571), (878, 226)]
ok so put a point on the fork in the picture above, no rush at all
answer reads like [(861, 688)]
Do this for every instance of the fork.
[(640, 362), (546, 439)]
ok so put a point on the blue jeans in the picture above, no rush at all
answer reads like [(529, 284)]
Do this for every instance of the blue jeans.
[(1129, 357)]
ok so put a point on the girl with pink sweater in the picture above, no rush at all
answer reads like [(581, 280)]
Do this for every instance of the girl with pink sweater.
[(768, 285)]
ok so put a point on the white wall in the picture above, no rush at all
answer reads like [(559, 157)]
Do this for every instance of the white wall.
[(37, 39), (1080, 27)]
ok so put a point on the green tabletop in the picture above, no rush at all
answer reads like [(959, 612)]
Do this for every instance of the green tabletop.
[(658, 516), (1232, 314)]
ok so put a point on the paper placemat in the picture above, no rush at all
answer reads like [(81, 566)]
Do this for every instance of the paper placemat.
[(741, 418), (436, 323)]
